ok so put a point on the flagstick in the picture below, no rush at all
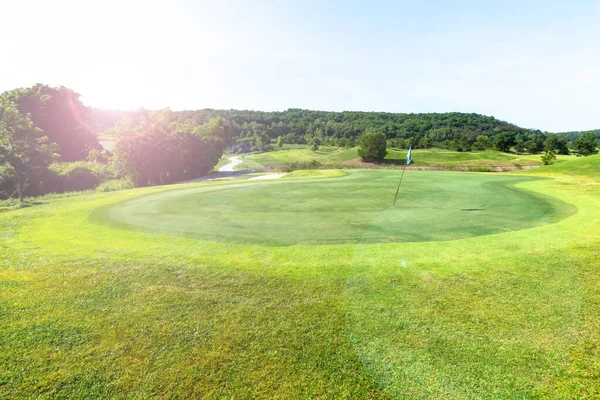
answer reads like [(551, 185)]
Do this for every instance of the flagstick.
[(399, 183)]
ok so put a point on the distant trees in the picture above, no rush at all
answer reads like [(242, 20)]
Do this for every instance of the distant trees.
[(22, 146), (482, 143), (586, 145), (556, 143), (534, 146), (504, 141), (372, 146), (251, 129), (256, 131)]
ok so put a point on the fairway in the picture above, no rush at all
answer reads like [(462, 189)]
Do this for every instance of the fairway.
[(356, 208)]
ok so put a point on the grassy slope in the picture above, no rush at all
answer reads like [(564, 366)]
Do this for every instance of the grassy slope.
[(89, 311), (587, 167), (433, 157)]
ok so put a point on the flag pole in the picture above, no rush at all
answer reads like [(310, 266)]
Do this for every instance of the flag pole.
[(399, 183)]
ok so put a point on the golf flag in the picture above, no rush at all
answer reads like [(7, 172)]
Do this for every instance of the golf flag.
[(408, 161)]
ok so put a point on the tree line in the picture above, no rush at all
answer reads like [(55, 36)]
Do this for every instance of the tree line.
[(257, 131)]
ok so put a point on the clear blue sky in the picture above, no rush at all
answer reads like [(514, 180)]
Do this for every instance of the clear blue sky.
[(534, 63)]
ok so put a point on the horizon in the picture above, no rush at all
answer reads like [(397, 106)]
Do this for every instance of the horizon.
[(531, 64)]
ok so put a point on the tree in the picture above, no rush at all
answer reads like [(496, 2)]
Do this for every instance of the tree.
[(62, 117), (22, 146), (482, 143), (463, 144), (315, 144), (534, 147), (519, 146), (279, 142), (372, 146), (504, 141), (548, 157), (586, 145), (164, 153), (556, 143)]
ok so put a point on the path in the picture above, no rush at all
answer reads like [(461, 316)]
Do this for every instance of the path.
[(234, 161), (224, 172)]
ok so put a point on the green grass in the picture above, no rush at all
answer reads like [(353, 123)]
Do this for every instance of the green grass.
[(586, 167), (353, 209), (338, 158), (329, 155), (90, 311)]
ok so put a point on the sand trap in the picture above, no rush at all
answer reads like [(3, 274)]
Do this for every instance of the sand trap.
[(269, 176)]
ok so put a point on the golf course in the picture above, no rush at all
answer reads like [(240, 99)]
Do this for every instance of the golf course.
[(475, 285)]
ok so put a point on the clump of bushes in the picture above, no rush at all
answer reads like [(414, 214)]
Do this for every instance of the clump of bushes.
[(112, 185), (76, 176)]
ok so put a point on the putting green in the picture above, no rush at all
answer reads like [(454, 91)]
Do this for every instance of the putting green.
[(357, 208)]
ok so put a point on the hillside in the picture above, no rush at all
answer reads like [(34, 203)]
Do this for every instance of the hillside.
[(582, 166), (256, 130)]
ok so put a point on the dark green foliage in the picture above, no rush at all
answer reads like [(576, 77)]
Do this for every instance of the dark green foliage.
[(586, 145), (250, 129), (462, 144), (573, 136), (372, 146), (482, 143), (504, 141), (315, 144), (534, 146), (557, 144)]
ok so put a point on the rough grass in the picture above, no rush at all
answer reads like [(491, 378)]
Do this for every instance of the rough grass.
[(315, 173), (90, 311)]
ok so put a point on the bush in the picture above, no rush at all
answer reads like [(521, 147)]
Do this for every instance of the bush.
[(372, 146), (69, 177), (114, 185), (548, 157), (296, 165)]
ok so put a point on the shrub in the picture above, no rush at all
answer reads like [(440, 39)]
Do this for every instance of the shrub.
[(114, 185), (76, 176), (548, 157), (372, 146)]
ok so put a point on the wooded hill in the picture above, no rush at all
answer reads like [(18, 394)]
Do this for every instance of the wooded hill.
[(256, 130)]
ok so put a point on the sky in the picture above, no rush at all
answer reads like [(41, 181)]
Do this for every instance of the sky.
[(532, 63)]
